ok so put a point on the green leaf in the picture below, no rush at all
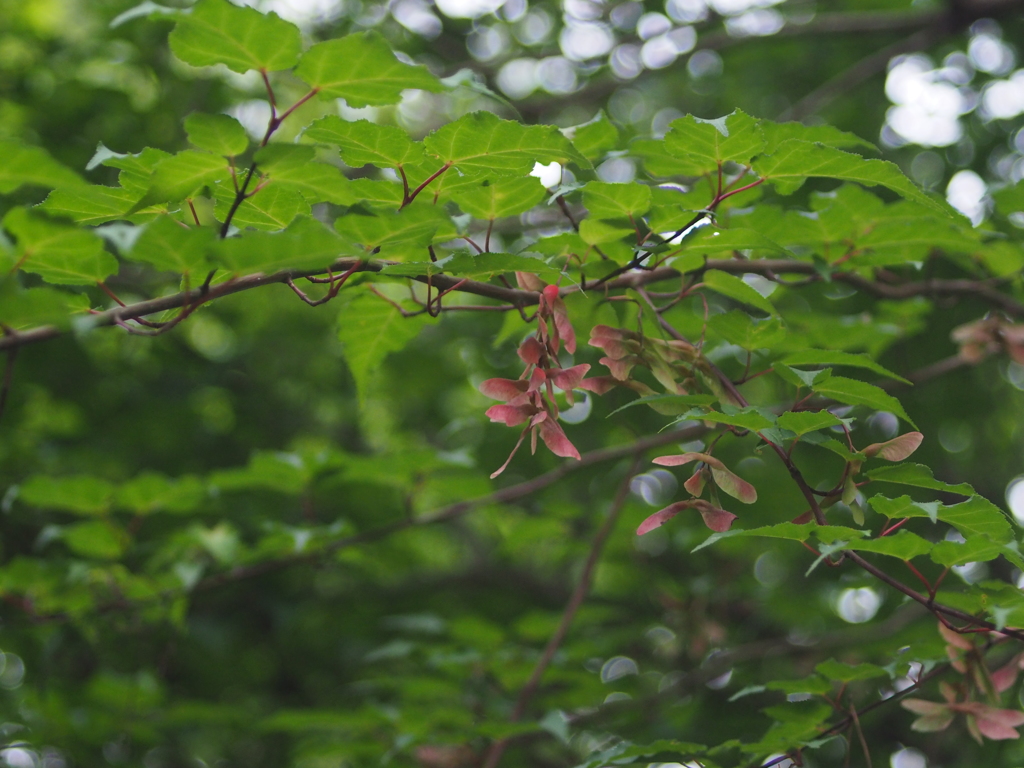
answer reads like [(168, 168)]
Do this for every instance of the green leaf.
[(598, 232), (788, 531), (706, 144), (362, 69), (854, 392), (683, 402), (415, 226), (42, 305), (978, 549), (24, 165), (98, 539), (803, 422), (978, 517), (1008, 199), (136, 171), (799, 378), (794, 161), (739, 328), (596, 137), (747, 418), (902, 544), (151, 492), (616, 201), (904, 506), (383, 193), (838, 357), (625, 753), (90, 204), (711, 239), (220, 134), (266, 470), (659, 162), (776, 133), (370, 329), (148, 9), (293, 166), (81, 494), (362, 142), (271, 208), (306, 244), (183, 174), (975, 517), (58, 253), (505, 197), (847, 673), (481, 142), (916, 475), (734, 288), (168, 246), (218, 32)]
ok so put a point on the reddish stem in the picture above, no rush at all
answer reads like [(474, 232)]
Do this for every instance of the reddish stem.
[(424, 185)]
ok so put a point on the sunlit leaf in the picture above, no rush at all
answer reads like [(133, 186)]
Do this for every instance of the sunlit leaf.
[(242, 38), (99, 539), (741, 329), (220, 134), (838, 357), (917, 475), (794, 161), (707, 144), (481, 142), (616, 201), (504, 197), (58, 253), (362, 69), (271, 208), (734, 288), (167, 245), (901, 544), (90, 204), (32, 166), (370, 329), (596, 137), (292, 166), (803, 422), (305, 244), (854, 392), (362, 142), (776, 133), (847, 673), (81, 494)]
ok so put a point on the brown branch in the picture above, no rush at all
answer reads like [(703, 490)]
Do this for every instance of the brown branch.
[(834, 24), (446, 514), (575, 601), (982, 289), (928, 602), (457, 510), (862, 70), (8, 380)]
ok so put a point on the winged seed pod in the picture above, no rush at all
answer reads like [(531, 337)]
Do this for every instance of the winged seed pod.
[(530, 399)]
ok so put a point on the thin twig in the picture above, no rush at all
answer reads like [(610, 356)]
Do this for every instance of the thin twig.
[(980, 289), (5, 387), (575, 601), (864, 69)]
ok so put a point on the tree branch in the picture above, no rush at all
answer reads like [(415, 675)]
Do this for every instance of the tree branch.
[(457, 510), (862, 70), (575, 601), (983, 289)]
